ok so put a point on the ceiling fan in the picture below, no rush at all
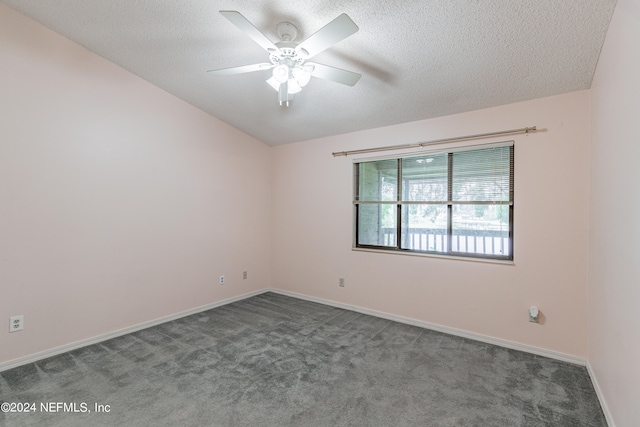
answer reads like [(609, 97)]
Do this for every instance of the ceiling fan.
[(288, 60)]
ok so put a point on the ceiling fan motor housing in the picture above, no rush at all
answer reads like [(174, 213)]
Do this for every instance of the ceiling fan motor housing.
[(287, 55)]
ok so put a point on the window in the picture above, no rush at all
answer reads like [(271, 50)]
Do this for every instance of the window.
[(457, 203)]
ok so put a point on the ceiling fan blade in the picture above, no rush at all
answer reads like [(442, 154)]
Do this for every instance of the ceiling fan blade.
[(242, 23), (335, 31), (337, 75), (239, 70)]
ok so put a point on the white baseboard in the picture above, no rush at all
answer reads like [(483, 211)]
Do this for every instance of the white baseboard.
[(440, 328), (94, 340), (401, 319), (603, 402), (471, 335)]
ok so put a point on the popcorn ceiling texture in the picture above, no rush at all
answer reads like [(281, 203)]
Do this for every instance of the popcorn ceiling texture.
[(419, 59)]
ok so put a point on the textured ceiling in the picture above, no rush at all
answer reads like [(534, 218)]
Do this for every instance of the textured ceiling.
[(419, 58)]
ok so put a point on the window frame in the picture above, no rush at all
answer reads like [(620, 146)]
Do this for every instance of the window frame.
[(450, 203)]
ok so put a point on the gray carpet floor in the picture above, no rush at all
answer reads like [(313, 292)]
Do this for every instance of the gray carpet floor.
[(273, 360)]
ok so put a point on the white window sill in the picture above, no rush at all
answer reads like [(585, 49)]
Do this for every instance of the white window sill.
[(452, 257)]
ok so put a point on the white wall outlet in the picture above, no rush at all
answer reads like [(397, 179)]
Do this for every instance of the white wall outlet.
[(534, 314), (16, 323), (341, 282), (222, 280), (244, 275)]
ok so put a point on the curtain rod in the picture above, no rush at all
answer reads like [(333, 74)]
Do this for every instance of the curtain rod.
[(435, 141)]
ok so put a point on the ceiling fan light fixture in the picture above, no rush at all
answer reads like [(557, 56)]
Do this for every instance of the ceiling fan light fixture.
[(301, 75), (281, 73), (294, 86), (274, 84)]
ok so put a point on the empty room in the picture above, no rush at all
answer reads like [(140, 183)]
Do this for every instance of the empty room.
[(322, 213)]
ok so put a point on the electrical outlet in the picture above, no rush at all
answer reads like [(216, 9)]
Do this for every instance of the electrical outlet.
[(222, 280), (341, 282), (534, 314), (244, 275), (16, 323)]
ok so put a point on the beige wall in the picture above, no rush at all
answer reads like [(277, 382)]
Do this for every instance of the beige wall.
[(119, 203), (312, 229), (614, 274)]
